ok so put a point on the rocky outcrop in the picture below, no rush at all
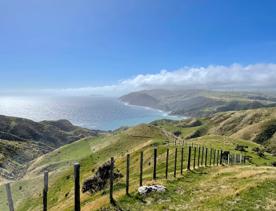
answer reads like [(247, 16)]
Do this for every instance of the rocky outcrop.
[(152, 188)]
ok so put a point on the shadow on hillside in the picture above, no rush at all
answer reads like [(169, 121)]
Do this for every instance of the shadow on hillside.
[(116, 206)]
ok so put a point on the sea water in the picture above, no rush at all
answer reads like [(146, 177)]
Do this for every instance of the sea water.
[(93, 112)]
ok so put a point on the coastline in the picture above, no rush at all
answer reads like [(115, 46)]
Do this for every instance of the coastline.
[(165, 113)]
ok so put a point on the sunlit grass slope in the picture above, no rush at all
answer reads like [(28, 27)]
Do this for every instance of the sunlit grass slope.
[(91, 153)]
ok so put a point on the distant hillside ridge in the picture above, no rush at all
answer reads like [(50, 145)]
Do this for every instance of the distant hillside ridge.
[(51, 133), (22, 140), (255, 125), (199, 103)]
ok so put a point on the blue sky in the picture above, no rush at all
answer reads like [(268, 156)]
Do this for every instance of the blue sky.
[(52, 44)]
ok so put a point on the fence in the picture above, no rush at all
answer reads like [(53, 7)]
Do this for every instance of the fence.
[(193, 156)]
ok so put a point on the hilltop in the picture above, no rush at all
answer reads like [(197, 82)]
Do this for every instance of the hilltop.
[(197, 103), (23, 140)]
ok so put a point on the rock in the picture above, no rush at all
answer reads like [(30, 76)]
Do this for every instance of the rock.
[(152, 188)]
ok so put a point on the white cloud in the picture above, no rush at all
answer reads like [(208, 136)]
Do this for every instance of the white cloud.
[(214, 76)]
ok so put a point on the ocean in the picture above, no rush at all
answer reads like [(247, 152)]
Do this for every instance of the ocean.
[(93, 112)]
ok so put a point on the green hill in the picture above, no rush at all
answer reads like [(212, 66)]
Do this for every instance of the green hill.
[(23, 140), (245, 182), (256, 125)]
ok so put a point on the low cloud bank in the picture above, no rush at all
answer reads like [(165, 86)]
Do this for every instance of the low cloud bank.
[(256, 76)]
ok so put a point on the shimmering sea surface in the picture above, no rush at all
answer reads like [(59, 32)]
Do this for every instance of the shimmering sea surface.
[(94, 112)]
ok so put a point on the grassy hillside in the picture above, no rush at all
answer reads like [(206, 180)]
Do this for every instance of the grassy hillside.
[(256, 125), (227, 130), (23, 140), (93, 152), (196, 103), (217, 188)]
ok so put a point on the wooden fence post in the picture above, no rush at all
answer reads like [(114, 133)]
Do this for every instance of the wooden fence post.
[(189, 158), (198, 157), (175, 162), (141, 167), (111, 200), (9, 196), (127, 174), (211, 154), (77, 186), (206, 156), (228, 158), (214, 159), (45, 190), (202, 155), (167, 162), (154, 162), (240, 158), (194, 158), (182, 159), (218, 157)]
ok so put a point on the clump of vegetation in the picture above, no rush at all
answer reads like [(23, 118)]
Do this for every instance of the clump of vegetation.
[(177, 133), (269, 128), (256, 149), (198, 133), (241, 148), (259, 151), (190, 123), (101, 178), (273, 163)]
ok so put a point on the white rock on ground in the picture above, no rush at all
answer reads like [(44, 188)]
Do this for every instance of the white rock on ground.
[(152, 188)]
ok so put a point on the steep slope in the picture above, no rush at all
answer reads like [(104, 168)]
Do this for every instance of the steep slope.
[(51, 133), (198, 103), (90, 152), (22, 140), (256, 125)]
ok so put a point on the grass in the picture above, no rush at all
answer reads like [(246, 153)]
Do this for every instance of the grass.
[(216, 188), (91, 153)]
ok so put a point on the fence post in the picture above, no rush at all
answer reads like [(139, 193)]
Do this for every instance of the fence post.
[(182, 158), (175, 162), (9, 196), (218, 157), (127, 174), (194, 157), (45, 190), (77, 186), (214, 159), (206, 155), (189, 158), (154, 162), (198, 157), (111, 200), (240, 158), (167, 162), (228, 158), (211, 154), (202, 156), (141, 167)]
